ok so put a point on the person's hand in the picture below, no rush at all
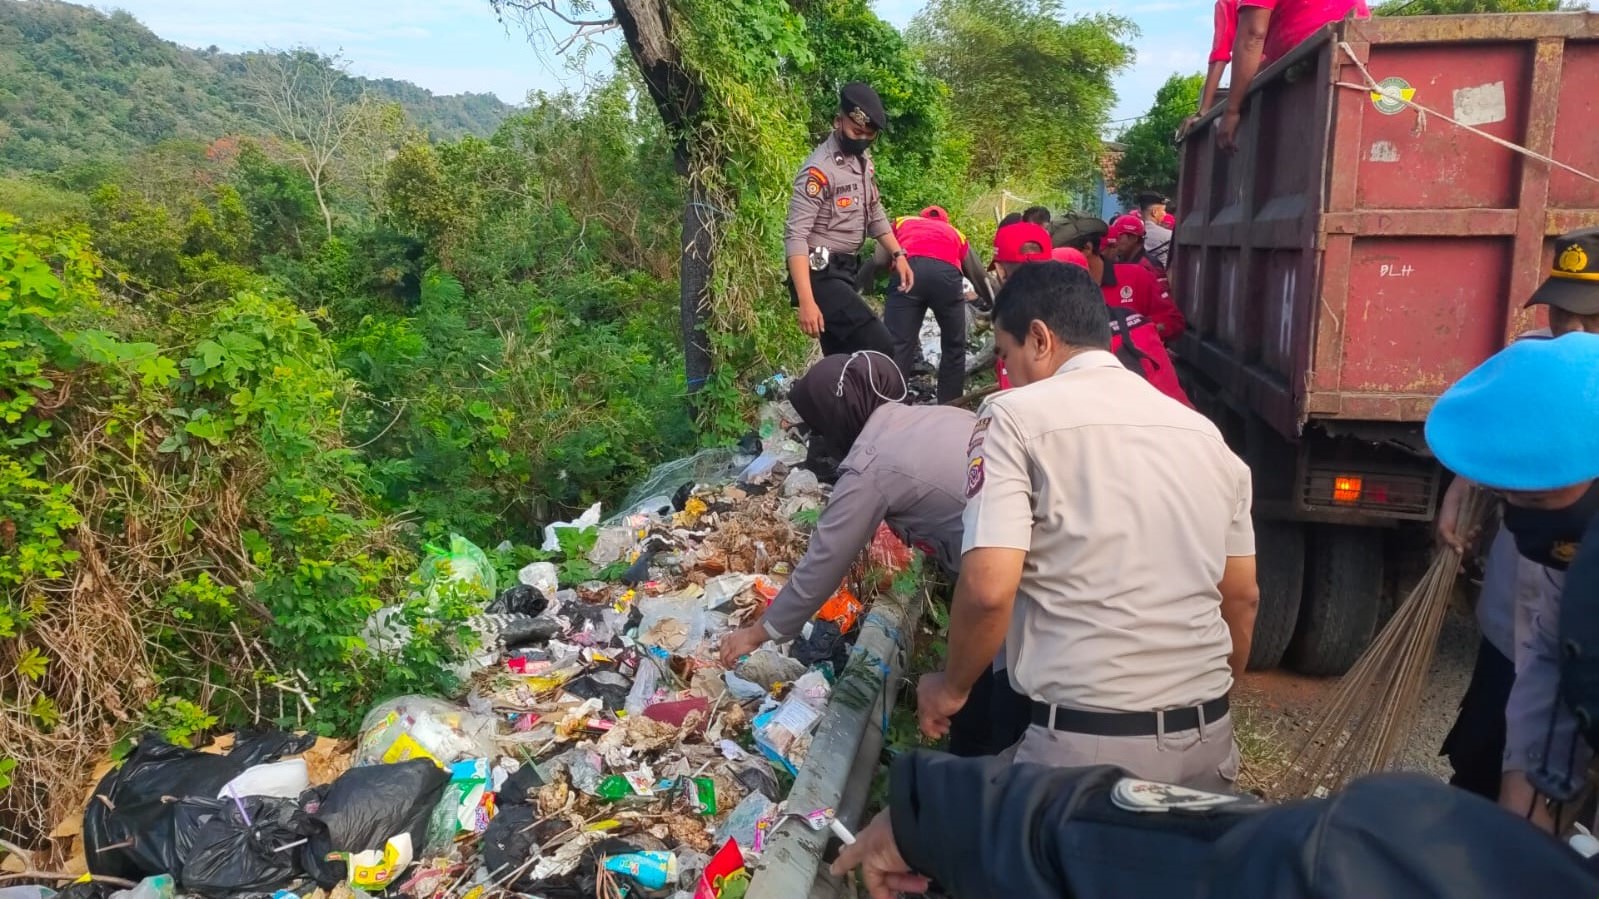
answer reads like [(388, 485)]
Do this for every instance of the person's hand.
[(1449, 515), (1517, 796), (810, 319), (882, 867), (1227, 131), (741, 643), (936, 703), (1187, 124), (907, 279)]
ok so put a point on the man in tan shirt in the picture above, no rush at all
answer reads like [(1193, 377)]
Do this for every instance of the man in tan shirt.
[(1108, 546)]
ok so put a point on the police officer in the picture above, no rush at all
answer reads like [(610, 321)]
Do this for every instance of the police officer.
[(834, 208), (1525, 424), (1125, 605), (903, 465)]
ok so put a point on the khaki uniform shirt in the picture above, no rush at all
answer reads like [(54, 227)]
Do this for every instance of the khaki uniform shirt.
[(908, 468), (1128, 505), (835, 203)]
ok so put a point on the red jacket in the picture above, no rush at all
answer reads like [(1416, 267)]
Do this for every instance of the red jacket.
[(1129, 285), (1148, 352), (932, 238)]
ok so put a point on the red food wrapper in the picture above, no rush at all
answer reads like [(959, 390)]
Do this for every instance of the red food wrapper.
[(725, 863), (888, 550)]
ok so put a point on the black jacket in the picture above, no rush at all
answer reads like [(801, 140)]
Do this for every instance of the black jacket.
[(984, 829)]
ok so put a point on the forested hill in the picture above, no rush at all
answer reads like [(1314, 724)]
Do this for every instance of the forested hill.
[(79, 84)]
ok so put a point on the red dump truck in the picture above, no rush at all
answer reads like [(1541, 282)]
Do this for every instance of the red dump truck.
[(1356, 256)]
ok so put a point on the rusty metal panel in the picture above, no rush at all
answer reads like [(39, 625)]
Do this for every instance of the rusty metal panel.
[(1350, 261), (1421, 312), (1409, 160), (1575, 141)]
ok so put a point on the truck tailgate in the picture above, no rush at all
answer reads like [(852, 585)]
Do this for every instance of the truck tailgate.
[(1357, 255)]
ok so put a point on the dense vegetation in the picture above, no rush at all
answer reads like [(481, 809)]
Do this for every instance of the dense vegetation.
[(249, 380), (79, 85)]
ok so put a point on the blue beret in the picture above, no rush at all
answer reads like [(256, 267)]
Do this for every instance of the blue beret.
[(1526, 419)]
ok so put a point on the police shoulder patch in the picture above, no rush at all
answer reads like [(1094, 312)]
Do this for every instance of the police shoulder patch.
[(979, 433), (815, 181), (974, 477)]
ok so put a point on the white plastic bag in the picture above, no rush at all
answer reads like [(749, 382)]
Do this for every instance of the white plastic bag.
[(412, 727), (286, 780), (541, 576), (589, 519), (673, 623)]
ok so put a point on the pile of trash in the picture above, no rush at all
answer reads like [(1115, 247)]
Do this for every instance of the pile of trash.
[(600, 748)]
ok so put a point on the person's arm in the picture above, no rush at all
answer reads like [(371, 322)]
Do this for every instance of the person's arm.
[(1157, 306), (1541, 734), (1224, 32), (1248, 46), (1207, 94), (805, 204), (1240, 593), (972, 268), (999, 530), (1240, 597), (866, 278), (853, 513), (979, 826)]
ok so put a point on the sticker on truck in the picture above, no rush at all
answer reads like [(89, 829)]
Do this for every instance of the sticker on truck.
[(1392, 94)]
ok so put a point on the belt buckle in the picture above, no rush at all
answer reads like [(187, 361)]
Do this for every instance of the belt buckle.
[(819, 258)]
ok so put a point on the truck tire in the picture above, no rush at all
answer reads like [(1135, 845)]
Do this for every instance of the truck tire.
[(1343, 596), (1280, 571)]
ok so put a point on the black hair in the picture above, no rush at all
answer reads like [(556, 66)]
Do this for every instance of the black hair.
[(1149, 198), (1038, 215), (1063, 297), (1011, 219)]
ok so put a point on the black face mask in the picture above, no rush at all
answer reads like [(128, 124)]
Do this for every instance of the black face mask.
[(1550, 536), (852, 146)]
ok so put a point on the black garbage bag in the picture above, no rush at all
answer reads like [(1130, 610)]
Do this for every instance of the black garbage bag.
[(508, 631), (521, 788), (606, 686), (520, 599), (150, 808), (582, 882), (230, 856), (825, 644), (364, 808)]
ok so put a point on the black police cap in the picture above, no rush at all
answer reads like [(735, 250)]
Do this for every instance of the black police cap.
[(858, 97), (1573, 283)]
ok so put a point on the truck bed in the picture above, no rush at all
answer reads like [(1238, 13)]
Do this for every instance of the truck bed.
[(1355, 257)]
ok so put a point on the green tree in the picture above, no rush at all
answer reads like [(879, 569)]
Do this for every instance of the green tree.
[(1030, 90), (1150, 160), (1469, 7)]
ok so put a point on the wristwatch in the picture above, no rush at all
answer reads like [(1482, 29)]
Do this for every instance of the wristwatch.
[(898, 255)]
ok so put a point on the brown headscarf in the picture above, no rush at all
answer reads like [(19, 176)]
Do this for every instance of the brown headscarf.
[(841, 392)]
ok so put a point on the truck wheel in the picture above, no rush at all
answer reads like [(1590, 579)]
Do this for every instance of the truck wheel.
[(1280, 571), (1343, 595)]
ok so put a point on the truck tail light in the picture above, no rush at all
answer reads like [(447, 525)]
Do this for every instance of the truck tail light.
[(1346, 489)]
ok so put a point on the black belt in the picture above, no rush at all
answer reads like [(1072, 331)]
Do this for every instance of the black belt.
[(1128, 724)]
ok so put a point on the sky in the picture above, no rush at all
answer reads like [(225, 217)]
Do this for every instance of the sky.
[(456, 46)]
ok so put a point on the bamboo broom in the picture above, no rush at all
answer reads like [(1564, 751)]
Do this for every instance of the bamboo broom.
[(1366, 721)]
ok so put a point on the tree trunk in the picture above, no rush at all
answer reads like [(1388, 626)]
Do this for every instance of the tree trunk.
[(327, 217), (694, 285)]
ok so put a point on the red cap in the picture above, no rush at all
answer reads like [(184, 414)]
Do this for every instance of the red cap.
[(1070, 256), (1008, 243), (1125, 224), (1168, 221), (936, 213)]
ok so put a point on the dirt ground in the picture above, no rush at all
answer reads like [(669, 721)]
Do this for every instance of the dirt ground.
[(1273, 710)]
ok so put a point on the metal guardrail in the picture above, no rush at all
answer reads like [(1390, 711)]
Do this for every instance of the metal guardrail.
[(842, 761)]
